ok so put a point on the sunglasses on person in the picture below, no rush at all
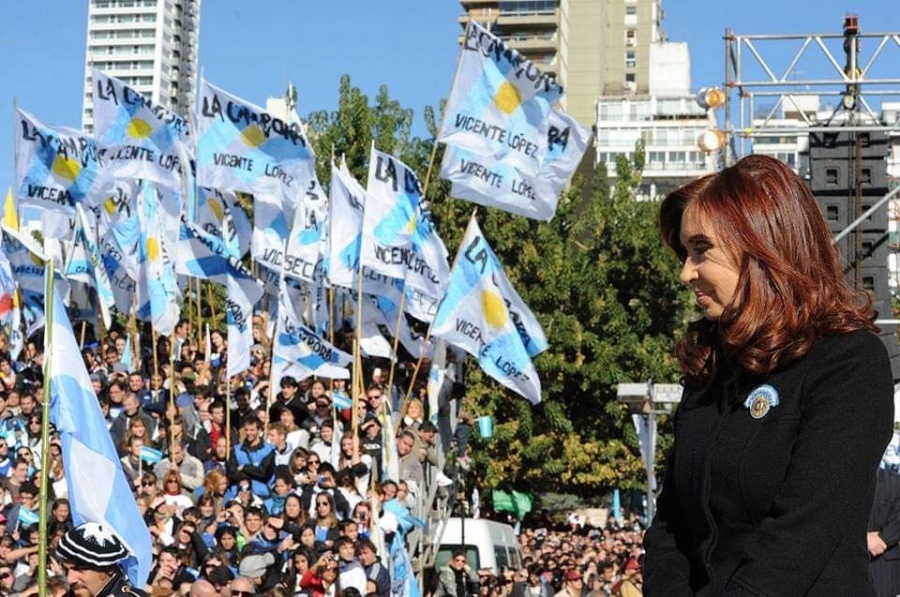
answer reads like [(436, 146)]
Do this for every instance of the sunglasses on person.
[(322, 504), (5, 575), (236, 593), (148, 483)]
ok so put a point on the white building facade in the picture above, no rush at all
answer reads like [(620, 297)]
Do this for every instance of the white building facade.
[(668, 120), (151, 45)]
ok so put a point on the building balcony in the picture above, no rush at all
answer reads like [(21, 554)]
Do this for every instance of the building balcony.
[(532, 43), (508, 20)]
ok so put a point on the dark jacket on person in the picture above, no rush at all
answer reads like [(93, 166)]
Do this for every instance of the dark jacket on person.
[(119, 586), (776, 504), (884, 570), (257, 463)]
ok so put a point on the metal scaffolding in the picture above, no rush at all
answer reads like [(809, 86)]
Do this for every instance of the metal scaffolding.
[(851, 67)]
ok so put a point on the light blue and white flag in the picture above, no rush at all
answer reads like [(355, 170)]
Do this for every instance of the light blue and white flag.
[(482, 314), (158, 297), (137, 138), (56, 167), (272, 219), (348, 200), (399, 238), (238, 314), (97, 487), (127, 356), (241, 147), (27, 517), (9, 303), (213, 210), (204, 256), (298, 348), (486, 181), (305, 245), (499, 102), (85, 264), (151, 455)]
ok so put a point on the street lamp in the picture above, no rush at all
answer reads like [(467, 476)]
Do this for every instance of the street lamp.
[(645, 401)]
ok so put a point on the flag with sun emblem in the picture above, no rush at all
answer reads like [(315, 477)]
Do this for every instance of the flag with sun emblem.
[(56, 167), (499, 102), (399, 238), (137, 138), (158, 298), (85, 264), (485, 181), (220, 214), (482, 314), (241, 147)]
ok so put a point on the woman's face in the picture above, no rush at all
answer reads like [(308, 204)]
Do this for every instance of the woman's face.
[(292, 508), (709, 269), (207, 509), (222, 485), (227, 541), (173, 485), (138, 429), (301, 564), (308, 537), (414, 410), (61, 512)]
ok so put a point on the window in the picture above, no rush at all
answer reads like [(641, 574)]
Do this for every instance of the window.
[(631, 11), (629, 78), (630, 59), (630, 38)]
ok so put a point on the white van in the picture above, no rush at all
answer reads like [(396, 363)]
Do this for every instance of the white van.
[(488, 544)]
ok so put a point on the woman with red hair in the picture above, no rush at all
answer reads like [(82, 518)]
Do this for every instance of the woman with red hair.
[(788, 398)]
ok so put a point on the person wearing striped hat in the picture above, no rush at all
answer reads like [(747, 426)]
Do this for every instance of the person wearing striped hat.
[(91, 555)]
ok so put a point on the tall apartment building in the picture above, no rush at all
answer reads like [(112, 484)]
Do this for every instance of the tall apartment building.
[(593, 47), (151, 45)]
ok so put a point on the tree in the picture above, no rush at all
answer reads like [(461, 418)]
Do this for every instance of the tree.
[(597, 277), (604, 288)]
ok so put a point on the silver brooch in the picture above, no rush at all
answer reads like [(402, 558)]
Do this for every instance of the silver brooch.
[(761, 401)]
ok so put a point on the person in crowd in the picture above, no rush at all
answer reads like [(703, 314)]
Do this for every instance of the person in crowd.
[(456, 577), (883, 536), (253, 458), (189, 468), (378, 578), (350, 571), (91, 557), (786, 383), (131, 409)]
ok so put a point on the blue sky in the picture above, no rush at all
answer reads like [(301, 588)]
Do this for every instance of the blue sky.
[(251, 49)]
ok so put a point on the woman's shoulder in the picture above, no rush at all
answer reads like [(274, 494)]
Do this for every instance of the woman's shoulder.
[(856, 345)]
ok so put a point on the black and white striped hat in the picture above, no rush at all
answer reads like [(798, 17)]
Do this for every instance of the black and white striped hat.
[(91, 545)]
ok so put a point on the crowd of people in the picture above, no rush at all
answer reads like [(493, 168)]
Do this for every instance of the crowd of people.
[(282, 491), (260, 495), (566, 559)]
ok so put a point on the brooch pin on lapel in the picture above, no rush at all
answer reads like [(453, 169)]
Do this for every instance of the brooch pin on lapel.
[(761, 401)]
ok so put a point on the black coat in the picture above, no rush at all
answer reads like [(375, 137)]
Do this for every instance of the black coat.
[(776, 505), (885, 519)]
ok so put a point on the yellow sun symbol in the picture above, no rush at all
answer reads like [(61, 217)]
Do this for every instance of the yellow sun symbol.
[(139, 128), (253, 136), (152, 248), (65, 168), (508, 98), (494, 309)]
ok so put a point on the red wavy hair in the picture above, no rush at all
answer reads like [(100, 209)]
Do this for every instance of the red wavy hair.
[(791, 287)]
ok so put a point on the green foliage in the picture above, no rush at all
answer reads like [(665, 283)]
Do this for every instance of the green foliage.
[(598, 279)]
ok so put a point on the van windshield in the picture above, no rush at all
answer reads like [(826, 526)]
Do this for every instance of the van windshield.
[(446, 552)]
